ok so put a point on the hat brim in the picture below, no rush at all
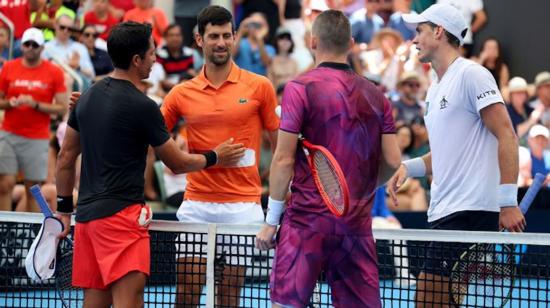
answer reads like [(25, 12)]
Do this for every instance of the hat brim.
[(413, 19)]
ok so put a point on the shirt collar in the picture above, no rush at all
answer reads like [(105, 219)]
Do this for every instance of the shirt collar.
[(336, 65), (233, 77)]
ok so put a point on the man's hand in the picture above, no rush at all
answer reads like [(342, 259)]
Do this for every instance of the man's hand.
[(74, 98), (511, 219), (66, 220), (74, 60), (229, 153), (265, 239), (14, 102), (396, 182), (25, 99)]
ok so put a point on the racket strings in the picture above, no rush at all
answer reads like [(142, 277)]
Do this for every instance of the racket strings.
[(329, 181), (485, 276), (69, 295)]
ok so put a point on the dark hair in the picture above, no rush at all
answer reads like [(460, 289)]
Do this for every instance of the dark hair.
[(451, 39), (214, 15), (285, 35), (409, 128), (126, 40), (86, 26), (333, 29), (499, 60), (170, 27)]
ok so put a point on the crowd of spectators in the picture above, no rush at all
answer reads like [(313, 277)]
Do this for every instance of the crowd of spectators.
[(272, 39)]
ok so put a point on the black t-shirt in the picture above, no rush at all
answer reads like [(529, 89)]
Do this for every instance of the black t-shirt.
[(101, 62), (116, 123), (293, 9), (516, 117)]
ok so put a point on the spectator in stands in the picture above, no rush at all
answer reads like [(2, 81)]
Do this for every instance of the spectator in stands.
[(100, 58), (538, 146), (283, 68), (290, 16), (365, 23), (19, 13), (101, 18), (64, 49), (146, 12), (119, 7), (411, 196), (44, 18), (524, 176), (491, 58), (269, 9), (542, 84), (522, 115), (176, 58), (396, 22), (5, 46), (387, 57), (475, 18), (185, 14), (251, 52), (407, 107), (31, 90)]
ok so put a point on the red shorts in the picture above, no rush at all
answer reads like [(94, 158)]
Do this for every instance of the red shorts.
[(348, 261), (107, 249)]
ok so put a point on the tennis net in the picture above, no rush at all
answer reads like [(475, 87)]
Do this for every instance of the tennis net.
[(199, 265)]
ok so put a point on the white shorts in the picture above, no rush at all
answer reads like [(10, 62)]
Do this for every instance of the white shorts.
[(237, 249)]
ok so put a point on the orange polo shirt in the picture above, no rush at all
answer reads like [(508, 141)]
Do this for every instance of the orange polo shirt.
[(240, 108)]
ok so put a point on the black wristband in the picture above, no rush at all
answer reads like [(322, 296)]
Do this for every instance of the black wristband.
[(65, 204), (211, 158)]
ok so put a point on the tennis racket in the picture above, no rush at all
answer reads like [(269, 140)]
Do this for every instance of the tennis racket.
[(485, 273), (69, 295), (327, 175)]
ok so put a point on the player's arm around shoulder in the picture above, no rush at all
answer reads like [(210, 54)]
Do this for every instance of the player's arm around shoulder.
[(496, 119)]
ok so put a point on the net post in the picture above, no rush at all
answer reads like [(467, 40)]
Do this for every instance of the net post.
[(210, 257)]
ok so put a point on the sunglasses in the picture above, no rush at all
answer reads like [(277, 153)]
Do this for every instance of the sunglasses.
[(65, 28), (88, 34), (31, 45)]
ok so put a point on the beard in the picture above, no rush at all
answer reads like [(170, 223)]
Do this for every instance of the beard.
[(219, 61)]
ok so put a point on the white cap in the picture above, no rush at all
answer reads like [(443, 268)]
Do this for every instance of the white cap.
[(444, 15), (538, 130), (33, 34), (542, 78), (517, 84), (318, 5)]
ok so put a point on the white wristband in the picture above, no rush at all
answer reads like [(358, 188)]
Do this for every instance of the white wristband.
[(415, 167), (507, 195), (275, 209)]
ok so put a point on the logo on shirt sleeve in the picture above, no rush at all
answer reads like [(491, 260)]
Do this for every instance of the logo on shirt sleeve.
[(486, 94)]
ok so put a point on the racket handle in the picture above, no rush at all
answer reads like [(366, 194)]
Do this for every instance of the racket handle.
[(531, 192), (37, 194)]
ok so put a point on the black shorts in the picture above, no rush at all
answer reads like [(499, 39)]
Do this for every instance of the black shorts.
[(441, 256)]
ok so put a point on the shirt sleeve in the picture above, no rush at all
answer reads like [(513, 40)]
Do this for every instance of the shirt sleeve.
[(155, 129), (73, 121), (476, 5), (270, 120), (169, 109), (388, 123), (481, 87), (293, 108)]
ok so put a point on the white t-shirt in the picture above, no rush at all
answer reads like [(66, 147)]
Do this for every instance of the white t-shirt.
[(468, 8), (464, 152)]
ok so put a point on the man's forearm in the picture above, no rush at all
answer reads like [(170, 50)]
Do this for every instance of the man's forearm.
[(508, 161), (4, 104), (65, 178), (57, 109), (279, 178)]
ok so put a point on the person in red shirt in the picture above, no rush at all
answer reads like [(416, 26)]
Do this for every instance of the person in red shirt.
[(101, 18), (19, 12), (146, 12), (31, 89)]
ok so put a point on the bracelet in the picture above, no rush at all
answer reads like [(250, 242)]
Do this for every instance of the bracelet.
[(65, 204), (211, 158), (36, 105), (275, 209), (415, 167), (507, 195)]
